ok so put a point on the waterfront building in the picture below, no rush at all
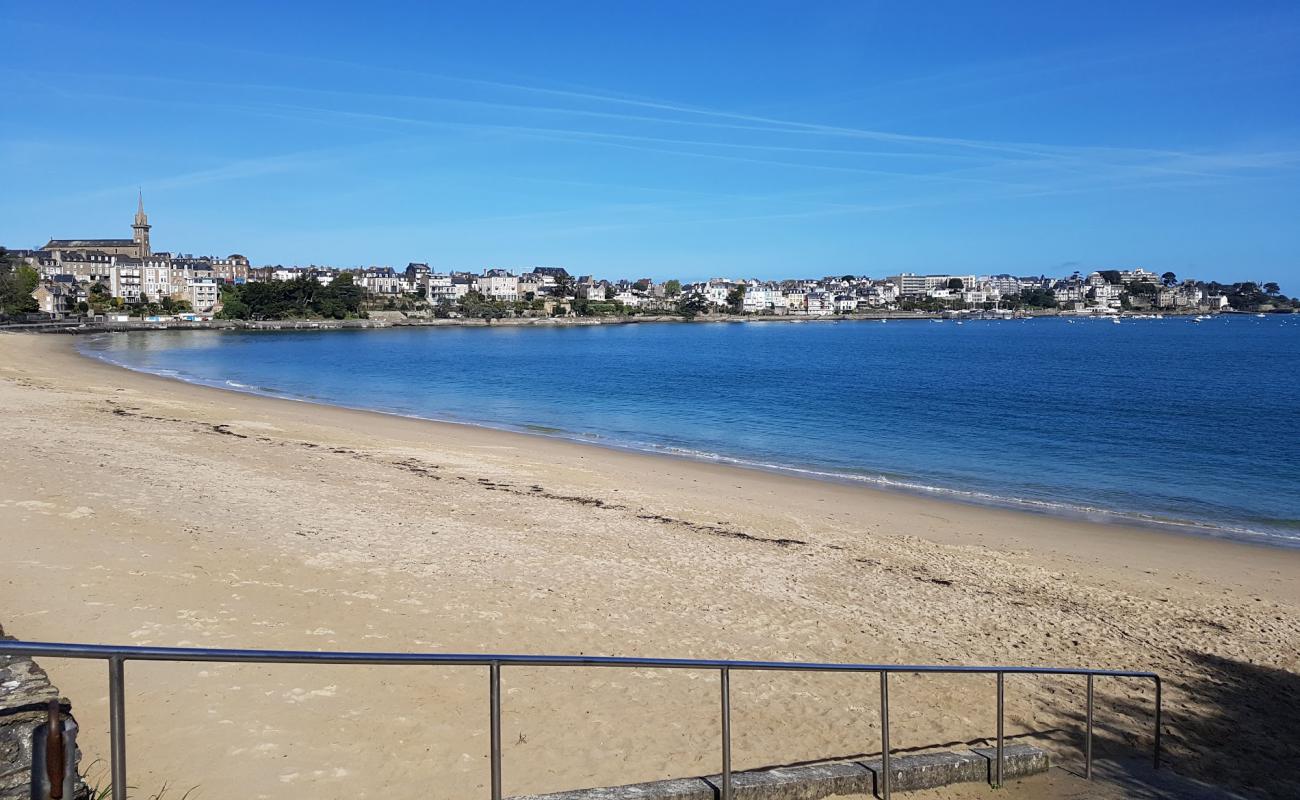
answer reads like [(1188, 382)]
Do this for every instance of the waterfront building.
[(125, 279), (54, 299), (231, 270), (1107, 294), (909, 284), (1000, 285), (417, 273), (796, 299), (499, 284), (819, 303), (590, 288), (760, 297), (535, 284), (380, 280), (203, 293), (437, 287)]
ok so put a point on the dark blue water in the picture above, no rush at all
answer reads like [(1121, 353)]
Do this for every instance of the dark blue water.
[(1157, 421)]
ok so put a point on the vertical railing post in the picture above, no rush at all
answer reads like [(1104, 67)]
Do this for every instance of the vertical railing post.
[(1156, 762), (998, 780), (494, 699), (1087, 739), (726, 733), (886, 773), (116, 728)]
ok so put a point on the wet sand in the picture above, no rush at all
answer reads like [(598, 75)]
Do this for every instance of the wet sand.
[(139, 510)]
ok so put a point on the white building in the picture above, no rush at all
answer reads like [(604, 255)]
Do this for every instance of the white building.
[(156, 277), (716, 291), (125, 279), (498, 284), (1107, 294), (204, 294), (909, 284), (1000, 285), (796, 299), (819, 303), (437, 287), (381, 280), (945, 282), (763, 297)]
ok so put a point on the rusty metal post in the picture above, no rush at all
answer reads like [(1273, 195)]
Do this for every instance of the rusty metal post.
[(55, 756)]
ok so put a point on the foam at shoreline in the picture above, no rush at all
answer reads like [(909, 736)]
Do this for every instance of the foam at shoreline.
[(883, 482)]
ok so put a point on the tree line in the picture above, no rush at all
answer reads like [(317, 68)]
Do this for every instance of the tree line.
[(17, 282), (303, 296)]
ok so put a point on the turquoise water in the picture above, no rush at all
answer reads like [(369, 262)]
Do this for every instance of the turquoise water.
[(1165, 422)]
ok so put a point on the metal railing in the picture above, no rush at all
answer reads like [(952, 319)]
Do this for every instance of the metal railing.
[(118, 656)]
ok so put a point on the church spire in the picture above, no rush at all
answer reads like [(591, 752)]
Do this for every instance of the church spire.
[(140, 230)]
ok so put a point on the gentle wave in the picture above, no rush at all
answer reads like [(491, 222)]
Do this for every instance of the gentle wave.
[(1059, 509), (1072, 510)]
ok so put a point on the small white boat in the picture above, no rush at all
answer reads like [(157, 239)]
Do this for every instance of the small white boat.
[(1115, 320)]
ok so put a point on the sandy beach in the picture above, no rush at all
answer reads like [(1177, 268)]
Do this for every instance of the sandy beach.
[(138, 510)]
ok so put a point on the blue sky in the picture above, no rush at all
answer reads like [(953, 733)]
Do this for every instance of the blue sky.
[(666, 139)]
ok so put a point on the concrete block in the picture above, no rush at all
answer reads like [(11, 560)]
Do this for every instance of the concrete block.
[(1019, 760), (805, 782), (929, 770), (816, 781), (676, 789)]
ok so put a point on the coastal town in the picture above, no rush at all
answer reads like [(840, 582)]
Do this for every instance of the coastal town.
[(120, 280)]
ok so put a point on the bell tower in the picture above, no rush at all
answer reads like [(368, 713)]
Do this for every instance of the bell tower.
[(140, 230)]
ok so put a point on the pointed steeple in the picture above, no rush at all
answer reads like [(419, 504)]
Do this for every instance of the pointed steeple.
[(140, 230)]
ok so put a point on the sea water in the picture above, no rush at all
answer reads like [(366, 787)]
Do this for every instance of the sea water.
[(1156, 421)]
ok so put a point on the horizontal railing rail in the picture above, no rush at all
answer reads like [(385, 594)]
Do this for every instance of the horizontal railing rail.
[(117, 656)]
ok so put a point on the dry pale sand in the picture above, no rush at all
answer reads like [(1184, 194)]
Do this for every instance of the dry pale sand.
[(143, 511)]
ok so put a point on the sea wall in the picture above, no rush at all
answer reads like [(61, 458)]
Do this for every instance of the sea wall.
[(25, 693)]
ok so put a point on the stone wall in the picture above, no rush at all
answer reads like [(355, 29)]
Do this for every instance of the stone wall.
[(25, 692)]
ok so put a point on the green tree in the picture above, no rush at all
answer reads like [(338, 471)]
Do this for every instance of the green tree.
[(736, 299), (955, 284), (693, 305), (1038, 297), (1169, 279), (672, 288), (17, 282)]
